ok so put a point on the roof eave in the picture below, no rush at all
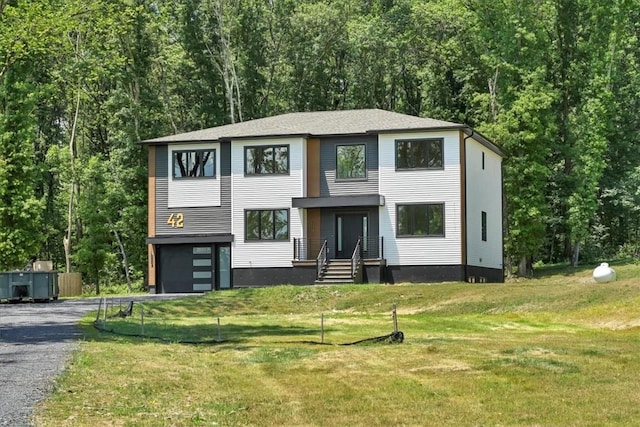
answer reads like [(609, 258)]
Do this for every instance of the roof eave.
[(417, 129), (484, 141)]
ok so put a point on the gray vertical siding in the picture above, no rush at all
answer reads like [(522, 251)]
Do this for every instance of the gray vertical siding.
[(328, 184), (205, 220)]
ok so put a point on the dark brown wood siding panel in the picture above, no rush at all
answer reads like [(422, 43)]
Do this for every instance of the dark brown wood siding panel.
[(313, 167), (151, 215), (151, 205)]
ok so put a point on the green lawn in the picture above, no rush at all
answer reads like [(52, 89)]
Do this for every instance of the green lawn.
[(555, 350)]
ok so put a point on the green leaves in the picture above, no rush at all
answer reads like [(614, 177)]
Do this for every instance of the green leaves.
[(554, 82)]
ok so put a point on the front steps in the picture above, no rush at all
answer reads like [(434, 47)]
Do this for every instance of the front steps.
[(336, 271)]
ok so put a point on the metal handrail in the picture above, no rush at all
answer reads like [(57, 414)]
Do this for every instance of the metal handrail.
[(321, 259), (355, 258)]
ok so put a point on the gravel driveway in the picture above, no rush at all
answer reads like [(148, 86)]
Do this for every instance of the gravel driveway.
[(35, 341)]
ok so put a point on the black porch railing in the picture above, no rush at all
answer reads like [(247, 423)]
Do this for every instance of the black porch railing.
[(356, 257), (321, 260), (372, 247), (308, 249)]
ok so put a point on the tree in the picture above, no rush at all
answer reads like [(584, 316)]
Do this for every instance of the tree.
[(20, 209), (28, 32), (95, 241)]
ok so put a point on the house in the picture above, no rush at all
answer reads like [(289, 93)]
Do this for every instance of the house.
[(334, 196)]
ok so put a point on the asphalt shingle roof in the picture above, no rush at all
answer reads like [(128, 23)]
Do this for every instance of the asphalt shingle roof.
[(320, 123)]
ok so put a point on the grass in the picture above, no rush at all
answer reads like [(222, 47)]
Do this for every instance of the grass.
[(558, 349)]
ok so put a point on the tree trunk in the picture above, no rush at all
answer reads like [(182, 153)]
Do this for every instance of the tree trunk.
[(576, 255), (493, 91), (73, 185), (525, 269), (125, 262)]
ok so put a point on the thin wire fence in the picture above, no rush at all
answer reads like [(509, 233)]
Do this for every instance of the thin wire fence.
[(136, 320)]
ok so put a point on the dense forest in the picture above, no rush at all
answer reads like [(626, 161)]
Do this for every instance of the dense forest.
[(556, 83)]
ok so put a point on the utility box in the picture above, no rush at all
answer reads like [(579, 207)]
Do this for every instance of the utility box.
[(29, 285)]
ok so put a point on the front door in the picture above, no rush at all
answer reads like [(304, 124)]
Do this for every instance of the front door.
[(349, 228)]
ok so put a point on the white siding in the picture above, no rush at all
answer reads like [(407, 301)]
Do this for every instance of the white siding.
[(193, 193), (421, 186), (484, 193), (265, 192)]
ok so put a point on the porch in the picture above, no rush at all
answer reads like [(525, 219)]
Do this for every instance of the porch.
[(365, 263)]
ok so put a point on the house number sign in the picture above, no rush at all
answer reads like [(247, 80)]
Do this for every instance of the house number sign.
[(176, 220)]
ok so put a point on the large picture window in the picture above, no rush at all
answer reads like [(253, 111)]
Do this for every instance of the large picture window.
[(194, 163), (420, 220), (266, 224), (266, 159), (351, 162), (419, 154)]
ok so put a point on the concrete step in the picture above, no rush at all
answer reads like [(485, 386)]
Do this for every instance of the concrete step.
[(336, 272), (333, 282)]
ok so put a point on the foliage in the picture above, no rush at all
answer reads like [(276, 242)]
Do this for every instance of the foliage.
[(554, 82)]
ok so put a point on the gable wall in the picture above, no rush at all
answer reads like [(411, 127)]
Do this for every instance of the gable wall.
[(483, 193)]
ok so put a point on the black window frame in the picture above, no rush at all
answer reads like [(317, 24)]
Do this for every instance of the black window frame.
[(412, 221), (364, 163), (201, 164), (427, 151), (483, 226), (260, 232), (263, 148)]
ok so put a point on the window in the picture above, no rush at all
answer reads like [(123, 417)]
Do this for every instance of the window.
[(350, 162), (419, 154), (483, 160), (194, 164), (266, 159), (420, 220), (484, 226), (266, 224)]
